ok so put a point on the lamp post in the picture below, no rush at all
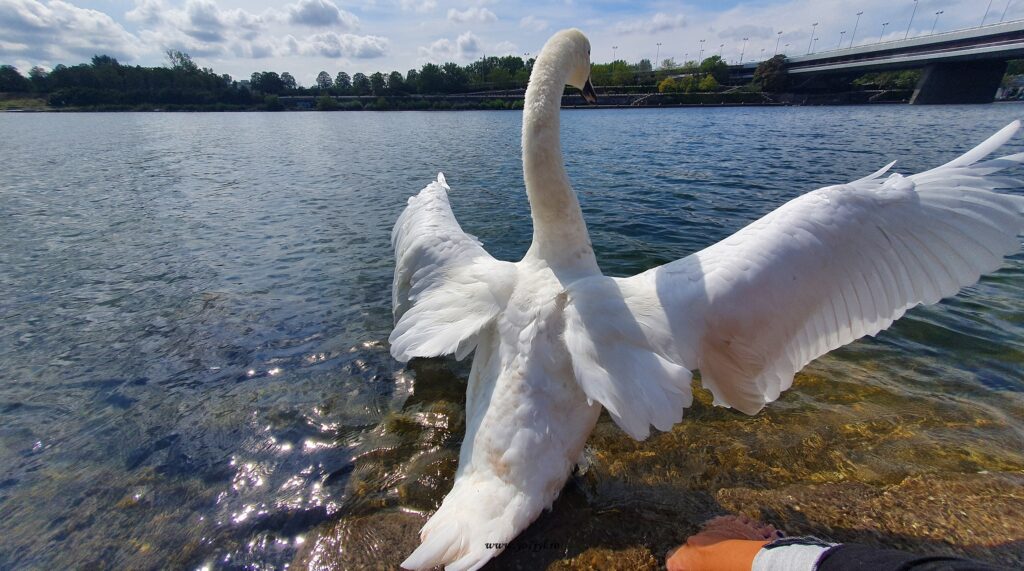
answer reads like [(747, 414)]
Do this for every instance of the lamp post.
[(811, 41), (912, 14), (937, 14), (986, 13), (786, 48), (614, 49), (841, 34), (814, 42), (720, 47), (777, 40), (743, 50), (884, 24), (657, 54), (857, 23), (1004, 11), (761, 57), (701, 53)]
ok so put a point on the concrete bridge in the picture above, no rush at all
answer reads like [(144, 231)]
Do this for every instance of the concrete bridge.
[(963, 66)]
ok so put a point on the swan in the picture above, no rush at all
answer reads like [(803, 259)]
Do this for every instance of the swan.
[(555, 340)]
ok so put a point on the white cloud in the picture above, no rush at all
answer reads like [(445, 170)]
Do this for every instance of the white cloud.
[(474, 14), (333, 45), (660, 22), (321, 13), (56, 32), (464, 48), (534, 23), (420, 6)]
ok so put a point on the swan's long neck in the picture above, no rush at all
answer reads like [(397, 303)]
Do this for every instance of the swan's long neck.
[(560, 235)]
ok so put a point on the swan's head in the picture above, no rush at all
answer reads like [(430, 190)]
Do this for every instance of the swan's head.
[(573, 48)]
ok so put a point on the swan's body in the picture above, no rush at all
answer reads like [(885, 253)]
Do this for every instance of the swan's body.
[(555, 339)]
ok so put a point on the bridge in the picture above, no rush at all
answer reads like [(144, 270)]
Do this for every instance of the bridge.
[(963, 66)]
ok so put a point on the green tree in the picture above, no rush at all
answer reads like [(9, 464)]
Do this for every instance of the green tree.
[(717, 67), (326, 103), (709, 83), (343, 82), (177, 59), (323, 81), (271, 83), (360, 84), (37, 76), (668, 85), (430, 80), (770, 75), (288, 82), (396, 83), (12, 80), (412, 79), (377, 83), (454, 78)]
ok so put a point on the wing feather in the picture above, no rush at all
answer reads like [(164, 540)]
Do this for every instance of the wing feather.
[(446, 286), (819, 272)]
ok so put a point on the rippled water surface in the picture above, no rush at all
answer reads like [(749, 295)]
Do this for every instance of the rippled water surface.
[(195, 308)]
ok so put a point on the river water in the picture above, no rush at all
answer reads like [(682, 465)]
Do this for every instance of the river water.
[(194, 312)]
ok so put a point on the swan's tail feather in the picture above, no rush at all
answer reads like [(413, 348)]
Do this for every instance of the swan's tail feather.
[(474, 524)]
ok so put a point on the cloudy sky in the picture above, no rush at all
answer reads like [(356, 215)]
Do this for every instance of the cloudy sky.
[(306, 36)]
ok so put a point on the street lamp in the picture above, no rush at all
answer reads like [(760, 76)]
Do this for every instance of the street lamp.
[(854, 34), (884, 24), (614, 49), (657, 54), (814, 42), (743, 50), (720, 46), (1004, 11), (761, 57), (813, 26), (986, 12), (786, 48), (777, 40), (701, 54), (841, 34), (937, 14), (905, 36)]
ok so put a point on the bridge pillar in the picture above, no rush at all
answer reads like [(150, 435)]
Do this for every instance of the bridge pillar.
[(959, 82)]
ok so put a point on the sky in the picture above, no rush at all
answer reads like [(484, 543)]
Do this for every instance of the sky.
[(304, 37)]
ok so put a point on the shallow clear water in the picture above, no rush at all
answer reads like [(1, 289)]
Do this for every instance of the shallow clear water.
[(195, 307)]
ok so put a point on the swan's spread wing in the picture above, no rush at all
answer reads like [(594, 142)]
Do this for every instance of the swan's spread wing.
[(819, 272), (447, 287)]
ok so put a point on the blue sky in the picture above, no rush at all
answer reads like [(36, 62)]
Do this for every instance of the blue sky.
[(306, 36)]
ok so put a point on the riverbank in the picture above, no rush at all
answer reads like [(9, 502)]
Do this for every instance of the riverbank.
[(492, 101)]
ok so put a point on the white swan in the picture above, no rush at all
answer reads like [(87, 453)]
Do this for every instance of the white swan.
[(555, 339)]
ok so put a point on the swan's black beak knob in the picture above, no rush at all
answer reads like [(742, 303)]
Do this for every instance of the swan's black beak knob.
[(588, 92)]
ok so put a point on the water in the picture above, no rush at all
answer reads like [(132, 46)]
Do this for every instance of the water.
[(195, 310)]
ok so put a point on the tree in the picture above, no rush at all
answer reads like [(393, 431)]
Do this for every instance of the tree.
[(360, 84), (288, 82), (717, 67), (709, 83), (37, 76), (396, 84), (377, 83), (644, 66), (412, 79), (323, 81), (256, 81), (668, 63), (770, 75), (668, 85), (343, 82), (430, 80), (453, 78), (326, 103), (178, 60), (11, 80), (271, 83)]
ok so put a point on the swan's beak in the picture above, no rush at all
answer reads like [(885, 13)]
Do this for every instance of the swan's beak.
[(588, 92)]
